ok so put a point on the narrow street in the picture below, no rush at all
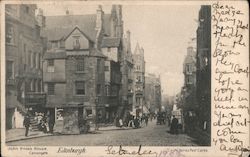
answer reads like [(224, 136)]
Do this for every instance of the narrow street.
[(151, 135)]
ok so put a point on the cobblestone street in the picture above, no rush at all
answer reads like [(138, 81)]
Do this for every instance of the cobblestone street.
[(151, 135)]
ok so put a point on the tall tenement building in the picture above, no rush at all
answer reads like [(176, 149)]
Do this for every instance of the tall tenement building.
[(85, 67), (203, 75), (139, 77), (24, 51)]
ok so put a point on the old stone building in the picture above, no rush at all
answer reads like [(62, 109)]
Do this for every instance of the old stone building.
[(139, 77), (152, 93), (203, 74), (24, 51), (85, 68), (189, 88), (74, 67)]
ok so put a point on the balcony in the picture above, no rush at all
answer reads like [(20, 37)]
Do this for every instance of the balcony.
[(35, 99)]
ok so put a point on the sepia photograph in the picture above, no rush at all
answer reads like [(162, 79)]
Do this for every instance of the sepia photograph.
[(99, 75)]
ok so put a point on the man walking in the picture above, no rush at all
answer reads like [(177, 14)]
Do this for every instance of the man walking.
[(26, 124), (174, 125)]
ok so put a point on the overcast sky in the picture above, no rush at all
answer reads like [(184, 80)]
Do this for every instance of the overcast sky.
[(163, 31)]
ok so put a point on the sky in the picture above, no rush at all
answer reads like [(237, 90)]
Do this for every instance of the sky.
[(164, 31)]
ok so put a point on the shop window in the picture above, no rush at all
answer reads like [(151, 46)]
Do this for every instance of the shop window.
[(80, 87)]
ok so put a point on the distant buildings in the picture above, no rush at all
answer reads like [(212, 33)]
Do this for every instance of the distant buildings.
[(153, 93), (139, 77), (189, 88), (24, 51)]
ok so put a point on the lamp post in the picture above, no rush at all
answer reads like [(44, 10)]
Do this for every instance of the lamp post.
[(96, 102)]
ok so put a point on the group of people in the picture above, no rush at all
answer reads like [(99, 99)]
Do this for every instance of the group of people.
[(133, 121), (44, 122)]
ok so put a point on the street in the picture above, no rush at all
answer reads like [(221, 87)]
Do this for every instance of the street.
[(151, 135)]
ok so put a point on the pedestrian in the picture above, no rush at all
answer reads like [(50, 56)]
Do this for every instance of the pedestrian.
[(146, 120), (174, 125), (120, 123), (26, 124), (51, 123)]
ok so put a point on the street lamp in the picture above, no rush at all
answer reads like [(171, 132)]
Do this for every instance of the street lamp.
[(96, 102)]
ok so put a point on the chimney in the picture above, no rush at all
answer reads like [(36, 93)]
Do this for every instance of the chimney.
[(99, 18), (40, 18)]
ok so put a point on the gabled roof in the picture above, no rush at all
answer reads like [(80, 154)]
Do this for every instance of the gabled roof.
[(79, 31), (111, 42), (57, 27)]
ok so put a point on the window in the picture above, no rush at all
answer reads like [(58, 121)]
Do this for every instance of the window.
[(189, 79), (114, 90), (80, 87), (88, 112), (34, 86), (9, 34), (34, 60), (39, 85), (76, 43), (98, 89), (138, 78), (50, 62), (38, 61), (50, 67), (51, 88), (107, 90), (106, 68), (29, 58), (10, 70), (80, 64), (27, 9), (98, 65)]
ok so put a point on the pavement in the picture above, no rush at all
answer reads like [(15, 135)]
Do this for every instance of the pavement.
[(18, 134), (151, 135)]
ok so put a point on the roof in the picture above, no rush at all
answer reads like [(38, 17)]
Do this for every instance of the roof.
[(55, 55), (111, 42), (58, 27)]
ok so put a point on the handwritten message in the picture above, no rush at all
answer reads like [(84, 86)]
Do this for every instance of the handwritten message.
[(230, 74)]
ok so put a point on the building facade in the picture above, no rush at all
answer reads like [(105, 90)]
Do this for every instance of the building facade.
[(153, 93), (85, 68), (24, 51), (74, 76), (203, 74), (139, 77)]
